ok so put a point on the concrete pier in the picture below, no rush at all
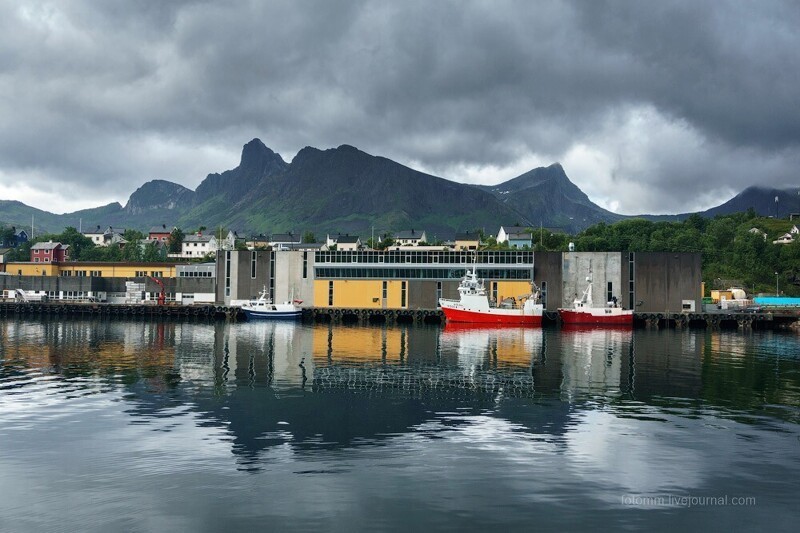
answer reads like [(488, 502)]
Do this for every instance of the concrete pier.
[(775, 319)]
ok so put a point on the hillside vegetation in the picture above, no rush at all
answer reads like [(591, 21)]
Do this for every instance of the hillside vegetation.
[(732, 254)]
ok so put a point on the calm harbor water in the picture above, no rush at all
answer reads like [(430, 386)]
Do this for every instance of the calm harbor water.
[(111, 425)]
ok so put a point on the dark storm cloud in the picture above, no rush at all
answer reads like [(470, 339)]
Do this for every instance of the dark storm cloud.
[(656, 106)]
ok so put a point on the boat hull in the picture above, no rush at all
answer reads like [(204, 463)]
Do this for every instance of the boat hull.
[(569, 316), (492, 316), (282, 315)]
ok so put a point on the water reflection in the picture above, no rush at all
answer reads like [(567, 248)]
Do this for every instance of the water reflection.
[(372, 422), (271, 384), (591, 361)]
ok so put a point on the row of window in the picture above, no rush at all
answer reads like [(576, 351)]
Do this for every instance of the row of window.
[(195, 274), (419, 273), (425, 257), (99, 273)]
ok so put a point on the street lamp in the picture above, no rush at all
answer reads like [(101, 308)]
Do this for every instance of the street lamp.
[(776, 284)]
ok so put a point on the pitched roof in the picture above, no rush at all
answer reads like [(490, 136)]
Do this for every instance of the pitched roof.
[(409, 234), (45, 245), (198, 238), (284, 237), (468, 236), (302, 245), (520, 236), (513, 229), (348, 239), (160, 229)]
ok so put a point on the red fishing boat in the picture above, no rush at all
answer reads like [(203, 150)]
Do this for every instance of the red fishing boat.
[(473, 306), (584, 312)]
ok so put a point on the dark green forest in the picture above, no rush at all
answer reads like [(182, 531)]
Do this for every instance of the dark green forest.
[(736, 249)]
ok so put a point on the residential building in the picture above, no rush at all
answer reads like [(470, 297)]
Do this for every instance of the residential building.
[(505, 231), (106, 237), (161, 247), (3, 253), (14, 239), (467, 241), (49, 252), (520, 240), (282, 241), (788, 237), (756, 231), (410, 238), (348, 242), (160, 233), (197, 245), (257, 241)]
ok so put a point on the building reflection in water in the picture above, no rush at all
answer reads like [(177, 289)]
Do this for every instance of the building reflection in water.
[(591, 360), (271, 384)]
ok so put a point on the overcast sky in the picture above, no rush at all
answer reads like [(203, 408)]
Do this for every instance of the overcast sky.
[(656, 107)]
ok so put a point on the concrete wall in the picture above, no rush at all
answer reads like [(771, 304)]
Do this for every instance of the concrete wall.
[(289, 280), (605, 267), (664, 279), (547, 274), (242, 283)]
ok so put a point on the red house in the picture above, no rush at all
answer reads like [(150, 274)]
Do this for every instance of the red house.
[(49, 252), (160, 233)]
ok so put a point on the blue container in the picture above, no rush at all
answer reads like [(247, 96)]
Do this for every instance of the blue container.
[(776, 301)]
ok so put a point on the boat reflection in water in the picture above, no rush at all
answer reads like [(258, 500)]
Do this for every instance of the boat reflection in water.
[(591, 359), (461, 356)]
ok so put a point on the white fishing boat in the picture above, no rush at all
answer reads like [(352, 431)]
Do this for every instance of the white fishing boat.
[(263, 307)]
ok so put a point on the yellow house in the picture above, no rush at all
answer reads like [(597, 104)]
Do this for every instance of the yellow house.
[(467, 241)]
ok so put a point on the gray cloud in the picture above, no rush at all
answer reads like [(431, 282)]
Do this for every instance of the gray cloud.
[(651, 107)]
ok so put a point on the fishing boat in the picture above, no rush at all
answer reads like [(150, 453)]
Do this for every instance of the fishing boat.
[(473, 306), (583, 311), (262, 307)]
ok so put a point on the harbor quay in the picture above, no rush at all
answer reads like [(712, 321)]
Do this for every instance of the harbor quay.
[(664, 289)]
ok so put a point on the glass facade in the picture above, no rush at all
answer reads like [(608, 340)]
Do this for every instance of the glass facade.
[(511, 265)]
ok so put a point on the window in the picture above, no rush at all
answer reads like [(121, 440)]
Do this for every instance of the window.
[(494, 291), (438, 293), (543, 294), (330, 293), (402, 294), (253, 265), (227, 273), (95, 273), (385, 290), (141, 273), (305, 265), (35, 259), (157, 274)]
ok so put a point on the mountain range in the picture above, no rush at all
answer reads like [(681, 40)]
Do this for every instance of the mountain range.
[(345, 190)]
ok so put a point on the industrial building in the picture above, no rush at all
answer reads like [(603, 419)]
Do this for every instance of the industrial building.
[(648, 282)]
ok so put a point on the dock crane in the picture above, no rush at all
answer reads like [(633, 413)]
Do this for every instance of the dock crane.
[(162, 296)]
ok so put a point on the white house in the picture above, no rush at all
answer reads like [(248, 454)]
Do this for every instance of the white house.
[(197, 245), (106, 237), (343, 242), (505, 231), (410, 238), (789, 237)]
